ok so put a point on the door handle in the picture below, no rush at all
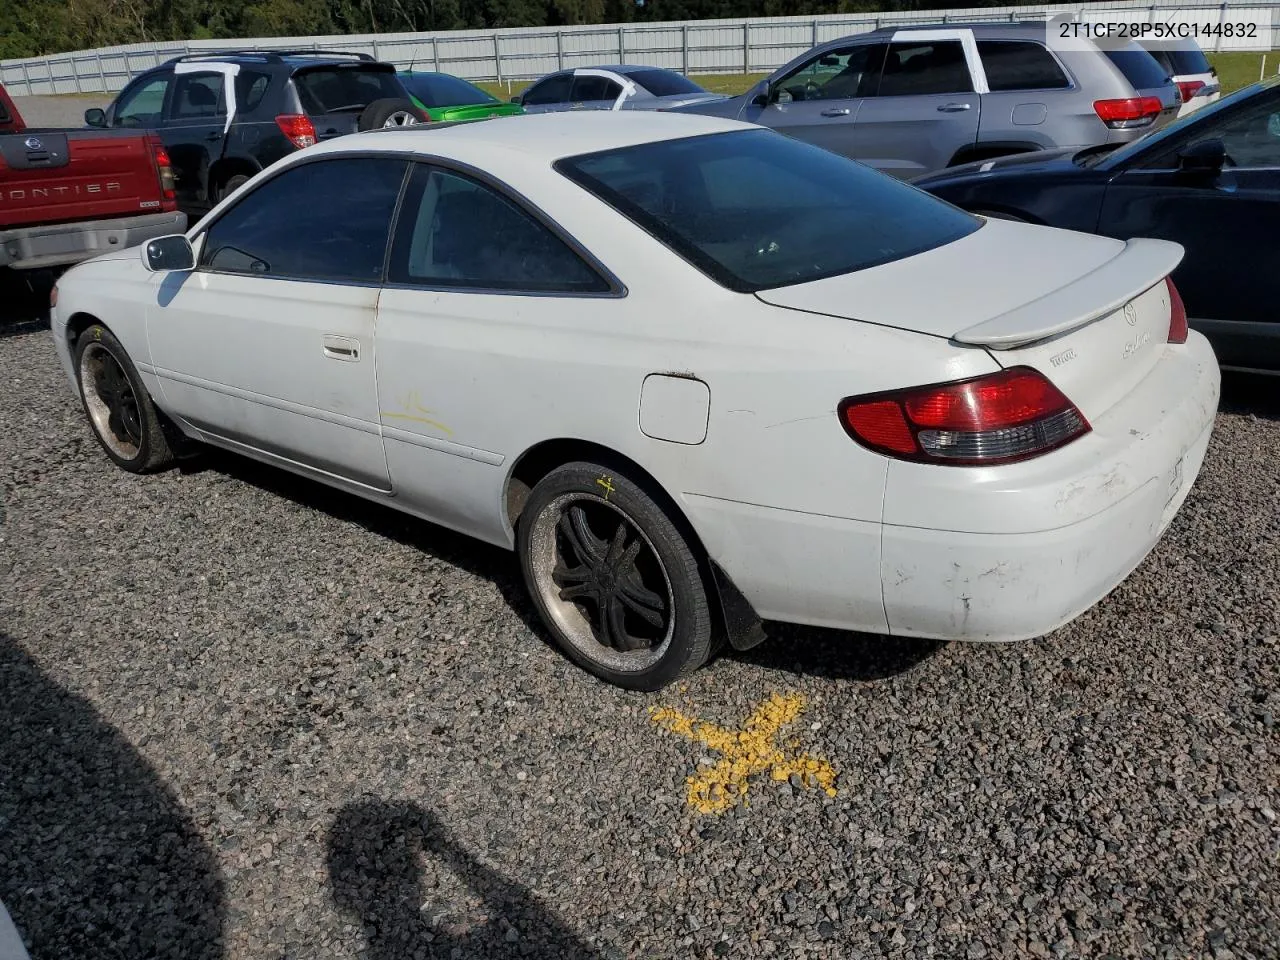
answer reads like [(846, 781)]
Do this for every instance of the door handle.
[(213, 136), (836, 112), (342, 348), (954, 107)]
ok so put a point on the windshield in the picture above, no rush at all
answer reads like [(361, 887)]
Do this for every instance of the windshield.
[(664, 83), (329, 89), (1203, 115), (756, 210), (442, 90)]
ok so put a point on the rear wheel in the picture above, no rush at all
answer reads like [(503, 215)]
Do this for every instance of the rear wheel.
[(117, 404), (232, 185), (614, 579)]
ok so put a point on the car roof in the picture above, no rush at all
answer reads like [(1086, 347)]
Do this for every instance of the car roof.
[(538, 137), (294, 59), (1020, 29)]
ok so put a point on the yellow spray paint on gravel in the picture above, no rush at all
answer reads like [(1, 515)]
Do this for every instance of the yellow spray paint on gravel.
[(746, 753)]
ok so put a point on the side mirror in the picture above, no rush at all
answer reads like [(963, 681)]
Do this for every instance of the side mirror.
[(758, 96), (517, 100), (1203, 157), (164, 254), (95, 117)]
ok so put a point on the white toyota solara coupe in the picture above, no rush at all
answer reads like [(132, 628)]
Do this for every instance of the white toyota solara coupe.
[(698, 374)]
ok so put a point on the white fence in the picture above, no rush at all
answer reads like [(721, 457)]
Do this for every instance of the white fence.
[(697, 46)]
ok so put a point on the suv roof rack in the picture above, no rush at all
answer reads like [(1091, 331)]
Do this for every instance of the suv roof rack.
[(269, 56)]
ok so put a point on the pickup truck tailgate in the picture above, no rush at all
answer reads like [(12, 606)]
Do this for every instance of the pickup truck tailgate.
[(61, 176)]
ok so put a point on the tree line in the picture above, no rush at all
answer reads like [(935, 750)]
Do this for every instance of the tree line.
[(30, 28)]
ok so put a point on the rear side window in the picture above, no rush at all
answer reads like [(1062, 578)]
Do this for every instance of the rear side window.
[(1181, 62), (664, 83), (586, 89), (917, 69), (1020, 65), (251, 87), (455, 231), (280, 231), (756, 210), (552, 90), (340, 89), (1139, 67)]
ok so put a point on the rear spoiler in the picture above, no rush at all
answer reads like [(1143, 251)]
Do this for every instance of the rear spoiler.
[(1139, 266)]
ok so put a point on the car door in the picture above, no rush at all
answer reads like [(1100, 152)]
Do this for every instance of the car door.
[(1225, 221), (926, 107), (267, 345), (141, 104), (818, 101), (193, 133), (482, 297), (548, 95)]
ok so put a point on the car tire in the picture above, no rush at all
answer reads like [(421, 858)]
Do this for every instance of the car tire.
[(232, 185), (614, 578), (391, 112), (120, 412)]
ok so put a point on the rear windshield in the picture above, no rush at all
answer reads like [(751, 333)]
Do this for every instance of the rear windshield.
[(756, 210), (442, 90), (664, 83), (1139, 68), (1179, 63), (334, 89)]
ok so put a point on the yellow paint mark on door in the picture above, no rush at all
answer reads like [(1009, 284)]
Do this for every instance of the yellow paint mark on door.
[(745, 753)]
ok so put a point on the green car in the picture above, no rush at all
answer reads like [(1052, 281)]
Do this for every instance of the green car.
[(441, 96)]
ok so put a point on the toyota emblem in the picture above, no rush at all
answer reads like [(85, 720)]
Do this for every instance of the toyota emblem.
[(1130, 315), (34, 143)]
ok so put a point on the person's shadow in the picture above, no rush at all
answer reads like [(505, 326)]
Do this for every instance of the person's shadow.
[(97, 857), (379, 856)]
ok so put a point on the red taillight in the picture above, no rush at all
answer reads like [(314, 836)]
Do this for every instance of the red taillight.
[(1177, 314), (165, 168), (298, 128), (1130, 112), (1189, 88), (53, 297), (1002, 417)]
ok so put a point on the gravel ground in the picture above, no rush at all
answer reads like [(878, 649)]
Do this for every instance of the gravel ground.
[(247, 717)]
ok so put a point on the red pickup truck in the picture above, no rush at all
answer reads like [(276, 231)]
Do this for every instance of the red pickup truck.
[(68, 195)]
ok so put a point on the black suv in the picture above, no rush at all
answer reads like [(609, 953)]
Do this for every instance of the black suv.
[(282, 100)]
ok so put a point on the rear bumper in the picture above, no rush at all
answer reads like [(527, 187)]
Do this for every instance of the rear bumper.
[(54, 245), (1054, 545), (996, 554)]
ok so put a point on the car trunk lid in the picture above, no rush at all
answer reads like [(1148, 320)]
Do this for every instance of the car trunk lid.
[(1090, 313)]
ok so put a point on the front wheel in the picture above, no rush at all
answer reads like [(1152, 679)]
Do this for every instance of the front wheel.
[(614, 579), (117, 404)]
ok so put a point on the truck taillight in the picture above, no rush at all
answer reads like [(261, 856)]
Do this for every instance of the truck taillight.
[(1177, 314), (165, 168), (998, 418), (53, 297), (1129, 112), (298, 128)]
